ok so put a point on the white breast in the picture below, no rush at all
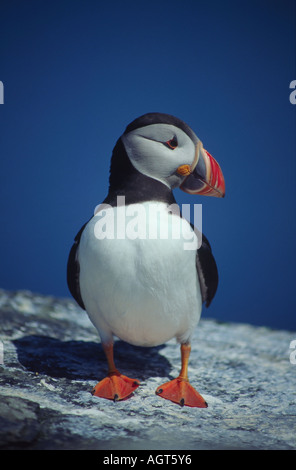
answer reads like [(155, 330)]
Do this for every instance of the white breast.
[(138, 278)]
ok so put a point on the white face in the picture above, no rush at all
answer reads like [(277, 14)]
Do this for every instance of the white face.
[(158, 150)]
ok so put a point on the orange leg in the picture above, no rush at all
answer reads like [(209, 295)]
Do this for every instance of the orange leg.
[(179, 390), (115, 386)]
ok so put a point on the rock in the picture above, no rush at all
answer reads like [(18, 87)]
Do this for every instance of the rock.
[(18, 421), (53, 358)]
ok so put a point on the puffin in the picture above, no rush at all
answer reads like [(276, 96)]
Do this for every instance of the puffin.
[(140, 269)]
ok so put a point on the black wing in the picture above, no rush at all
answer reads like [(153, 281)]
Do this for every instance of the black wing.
[(207, 271), (73, 270)]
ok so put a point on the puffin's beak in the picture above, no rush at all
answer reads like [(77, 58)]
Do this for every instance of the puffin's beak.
[(204, 176)]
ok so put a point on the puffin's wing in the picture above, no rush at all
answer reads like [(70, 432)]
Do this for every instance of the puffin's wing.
[(73, 270), (207, 271)]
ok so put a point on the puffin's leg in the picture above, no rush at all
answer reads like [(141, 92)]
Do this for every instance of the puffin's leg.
[(179, 390), (115, 386)]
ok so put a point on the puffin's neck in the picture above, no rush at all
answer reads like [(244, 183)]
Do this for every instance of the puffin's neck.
[(126, 181)]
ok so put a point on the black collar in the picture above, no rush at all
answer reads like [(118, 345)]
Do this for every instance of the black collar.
[(126, 181)]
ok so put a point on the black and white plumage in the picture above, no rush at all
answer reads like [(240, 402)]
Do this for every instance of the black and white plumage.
[(147, 290)]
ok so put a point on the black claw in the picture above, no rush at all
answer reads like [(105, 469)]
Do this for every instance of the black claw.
[(182, 402), (206, 404), (136, 382), (115, 397), (159, 391)]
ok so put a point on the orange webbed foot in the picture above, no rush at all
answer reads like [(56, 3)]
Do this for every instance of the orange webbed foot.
[(180, 391), (115, 387)]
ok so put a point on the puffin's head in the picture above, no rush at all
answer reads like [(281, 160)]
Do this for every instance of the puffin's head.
[(166, 149)]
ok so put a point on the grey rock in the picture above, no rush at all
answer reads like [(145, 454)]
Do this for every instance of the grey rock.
[(53, 358), (18, 420)]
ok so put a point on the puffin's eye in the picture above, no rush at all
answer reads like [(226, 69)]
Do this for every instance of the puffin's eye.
[(172, 144)]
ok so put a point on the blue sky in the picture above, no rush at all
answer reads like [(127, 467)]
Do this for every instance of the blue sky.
[(75, 73)]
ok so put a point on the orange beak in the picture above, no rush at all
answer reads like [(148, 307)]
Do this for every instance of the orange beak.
[(204, 176)]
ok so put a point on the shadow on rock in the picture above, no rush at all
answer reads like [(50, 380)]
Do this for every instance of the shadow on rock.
[(86, 360)]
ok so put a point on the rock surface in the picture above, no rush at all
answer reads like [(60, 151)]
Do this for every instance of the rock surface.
[(52, 358)]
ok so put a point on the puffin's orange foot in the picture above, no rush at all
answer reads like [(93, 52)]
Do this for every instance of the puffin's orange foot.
[(115, 387), (180, 391)]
